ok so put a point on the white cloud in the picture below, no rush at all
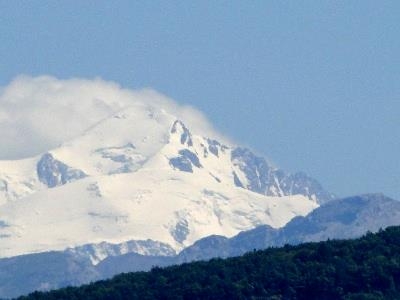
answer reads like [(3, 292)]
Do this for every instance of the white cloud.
[(38, 113)]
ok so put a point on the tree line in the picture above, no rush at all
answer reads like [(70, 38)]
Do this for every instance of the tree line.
[(364, 268)]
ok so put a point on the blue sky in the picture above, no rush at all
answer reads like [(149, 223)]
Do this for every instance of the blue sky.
[(313, 85)]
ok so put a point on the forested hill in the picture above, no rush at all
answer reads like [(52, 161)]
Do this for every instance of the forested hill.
[(365, 268)]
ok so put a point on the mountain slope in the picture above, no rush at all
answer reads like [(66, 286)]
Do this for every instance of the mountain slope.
[(340, 219), (111, 209)]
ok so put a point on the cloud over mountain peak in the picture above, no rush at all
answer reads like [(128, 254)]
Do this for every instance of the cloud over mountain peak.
[(38, 113)]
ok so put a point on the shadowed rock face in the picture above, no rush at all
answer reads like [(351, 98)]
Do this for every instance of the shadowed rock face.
[(264, 179), (192, 157), (185, 161), (53, 172), (180, 128), (213, 146), (181, 231), (181, 163)]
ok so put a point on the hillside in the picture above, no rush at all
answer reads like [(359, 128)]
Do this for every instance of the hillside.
[(365, 268)]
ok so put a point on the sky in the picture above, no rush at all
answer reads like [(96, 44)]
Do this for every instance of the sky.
[(312, 85)]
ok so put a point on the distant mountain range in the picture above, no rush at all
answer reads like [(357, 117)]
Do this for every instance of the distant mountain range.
[(363, 268), (339, 219)]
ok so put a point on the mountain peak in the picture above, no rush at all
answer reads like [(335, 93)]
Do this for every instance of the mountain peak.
[(183, 132)]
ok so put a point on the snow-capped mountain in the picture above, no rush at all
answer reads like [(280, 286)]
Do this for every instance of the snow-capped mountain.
[(141, 174)]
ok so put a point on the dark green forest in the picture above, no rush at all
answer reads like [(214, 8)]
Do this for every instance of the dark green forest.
[(365, 268)]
